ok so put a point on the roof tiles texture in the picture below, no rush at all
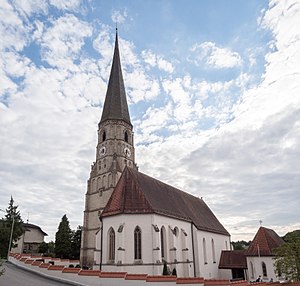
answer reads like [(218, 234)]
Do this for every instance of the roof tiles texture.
[(233, 259), (264, 242), (138, 193)]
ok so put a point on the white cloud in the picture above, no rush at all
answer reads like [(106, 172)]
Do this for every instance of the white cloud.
[(215, 57), (13, 32), (157, 61), (68, 5), (62, 42), (27, 8), (118, 16)]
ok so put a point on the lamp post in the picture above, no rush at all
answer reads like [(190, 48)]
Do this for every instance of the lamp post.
[(11, 233)]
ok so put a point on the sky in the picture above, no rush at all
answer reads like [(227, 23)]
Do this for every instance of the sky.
[(213, 89)]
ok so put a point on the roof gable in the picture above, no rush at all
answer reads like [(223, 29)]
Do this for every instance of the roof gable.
[(264, 242), (138, 193)]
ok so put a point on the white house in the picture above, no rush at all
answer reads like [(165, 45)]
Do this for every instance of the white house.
[(30, 240)]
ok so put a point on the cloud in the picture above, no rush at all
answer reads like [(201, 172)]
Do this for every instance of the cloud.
[(157, 61), (69, 5), (118, 16), (62, 42), (215, 57)]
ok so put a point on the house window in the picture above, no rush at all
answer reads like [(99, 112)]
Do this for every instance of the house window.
[(137, 243), (213, 250), (111, 244), (264, 269), (204, 251)]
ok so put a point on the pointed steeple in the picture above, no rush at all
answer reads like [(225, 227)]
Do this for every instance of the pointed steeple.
[(115, 105)]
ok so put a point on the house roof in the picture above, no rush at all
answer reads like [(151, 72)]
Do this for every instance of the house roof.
[(137, 193), (264, 242), (29, 226), (115, 105), (231, 259)]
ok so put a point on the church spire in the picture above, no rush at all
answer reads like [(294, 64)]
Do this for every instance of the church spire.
[(115, 105)]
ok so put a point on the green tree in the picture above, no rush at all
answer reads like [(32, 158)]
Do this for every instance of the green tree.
[(287, 259), (12, 219), (76, 243), (43, 248), (240, 244), (63, 239)]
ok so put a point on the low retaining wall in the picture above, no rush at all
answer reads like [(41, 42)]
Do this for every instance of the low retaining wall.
[(60, 271)]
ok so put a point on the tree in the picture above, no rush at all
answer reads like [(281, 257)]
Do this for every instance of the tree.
[(43, 248), (12, 219), (240, 244), (76, 243), (63, 239), (287, 259)]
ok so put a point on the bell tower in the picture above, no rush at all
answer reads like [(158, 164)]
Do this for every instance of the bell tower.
[(114, 151)]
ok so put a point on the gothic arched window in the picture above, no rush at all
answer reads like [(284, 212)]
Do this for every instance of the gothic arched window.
[(264, 269), (163, 242), (111, 244), (213, 250), (204, 251), (137, 243), (252, 269)]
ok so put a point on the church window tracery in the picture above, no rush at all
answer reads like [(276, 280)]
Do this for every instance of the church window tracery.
[(111, 244), (137, 243)]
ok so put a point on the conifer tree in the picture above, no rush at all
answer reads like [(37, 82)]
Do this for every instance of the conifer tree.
[(12, 224), (76, 243), (63, 239)]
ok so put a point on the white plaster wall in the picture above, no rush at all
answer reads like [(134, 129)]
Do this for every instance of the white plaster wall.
[(209, 269), (257, 268), (151, 245)]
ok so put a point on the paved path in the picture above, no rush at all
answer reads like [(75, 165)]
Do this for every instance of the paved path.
[(15, 276)]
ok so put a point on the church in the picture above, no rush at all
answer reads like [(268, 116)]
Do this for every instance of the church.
[(135, 223)]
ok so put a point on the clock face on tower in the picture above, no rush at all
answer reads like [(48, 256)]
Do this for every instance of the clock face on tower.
[(102, 151), (127, 152)]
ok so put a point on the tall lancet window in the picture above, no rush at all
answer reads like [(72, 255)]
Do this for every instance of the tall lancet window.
[(264, 269), (137, 243), (163, 243), (111, 244), (213, 251), (204, 251)]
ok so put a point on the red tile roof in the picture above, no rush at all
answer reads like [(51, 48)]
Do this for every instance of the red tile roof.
[(233, 259), (137, 193), (264, 242)]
